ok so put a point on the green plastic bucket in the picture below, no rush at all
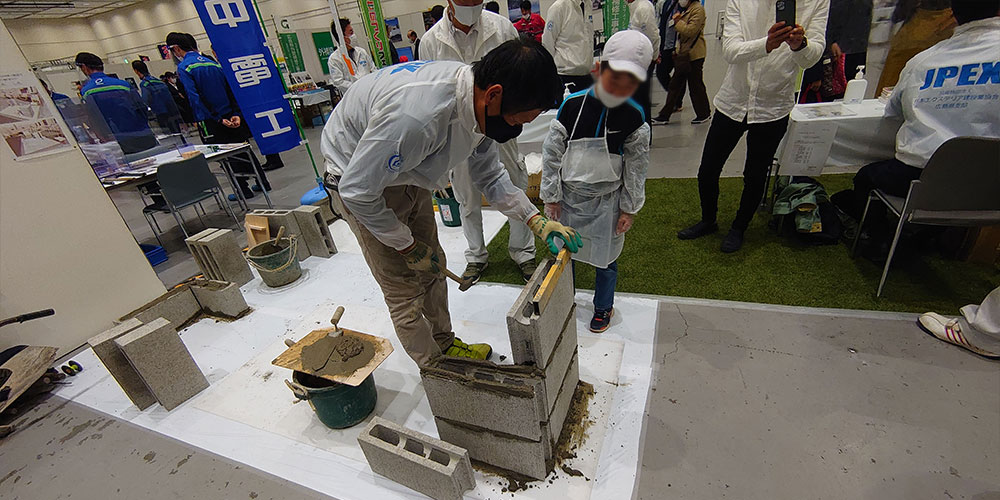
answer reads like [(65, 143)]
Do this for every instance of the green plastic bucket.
[(338, 406), (277, 261), (448, 209)]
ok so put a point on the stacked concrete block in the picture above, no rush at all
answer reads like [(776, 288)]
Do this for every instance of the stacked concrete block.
[(433, 467), (219, 298), (159, 356), (114, 360), (511, 416), (219, 255), (178, 306), (278, 218), (315, 231)]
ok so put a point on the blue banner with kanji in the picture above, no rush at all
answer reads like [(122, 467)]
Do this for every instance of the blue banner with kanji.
[(239, 43)]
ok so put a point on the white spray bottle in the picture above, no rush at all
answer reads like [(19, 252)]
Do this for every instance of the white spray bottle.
[(856, 88)]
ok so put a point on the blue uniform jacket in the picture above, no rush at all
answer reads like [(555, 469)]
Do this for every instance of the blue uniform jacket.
[(157, 95), (121, 108), (206, 88)]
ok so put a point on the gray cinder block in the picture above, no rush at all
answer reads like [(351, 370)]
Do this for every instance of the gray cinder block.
[(324, 208), (219, 298), (524, 456), (160, 357), (278, 218), (533, 336), (178, 306), (563, 400), (560, 359), (315, 231), (433, 467), (506, 399), (114, 360), (219, 255)]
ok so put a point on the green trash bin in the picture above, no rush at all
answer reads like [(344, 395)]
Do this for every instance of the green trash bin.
[(448, 208)]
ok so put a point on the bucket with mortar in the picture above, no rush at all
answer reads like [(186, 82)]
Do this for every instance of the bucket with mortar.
[(338, 406), (276, 260)]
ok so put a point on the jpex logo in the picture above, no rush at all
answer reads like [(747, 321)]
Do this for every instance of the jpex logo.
[(969, 74), (395, 161)]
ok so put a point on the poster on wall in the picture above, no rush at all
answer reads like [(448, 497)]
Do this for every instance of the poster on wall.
[(238, 41), (163, 50), (28, 124), (374, 23), (615, 14), (292, 51), (323, 42), (392, 25)]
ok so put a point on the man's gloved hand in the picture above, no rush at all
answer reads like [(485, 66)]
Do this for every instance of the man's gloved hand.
[(421, 257), (547, 229)]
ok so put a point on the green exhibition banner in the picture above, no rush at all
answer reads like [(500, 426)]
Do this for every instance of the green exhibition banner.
[(324, 47), (378, 41), (292, 51), (616, 14)]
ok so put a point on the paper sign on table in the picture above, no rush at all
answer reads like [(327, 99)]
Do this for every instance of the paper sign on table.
[(808, 147)]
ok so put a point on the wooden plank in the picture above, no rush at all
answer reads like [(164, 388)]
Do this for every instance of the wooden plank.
[(258, 230), (292, 357), (544, 292), (26, 367)]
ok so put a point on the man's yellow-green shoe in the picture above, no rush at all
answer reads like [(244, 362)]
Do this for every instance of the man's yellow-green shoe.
[(460, 349)]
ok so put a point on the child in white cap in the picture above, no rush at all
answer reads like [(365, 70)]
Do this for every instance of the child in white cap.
[(594, 162)]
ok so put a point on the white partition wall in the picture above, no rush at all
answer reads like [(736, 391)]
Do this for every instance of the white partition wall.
[(62, 244)]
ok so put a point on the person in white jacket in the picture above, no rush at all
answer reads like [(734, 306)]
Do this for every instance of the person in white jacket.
[(642, 18), (756, 97), (467, 40), (347, 68), (394, 138), (569, 37)]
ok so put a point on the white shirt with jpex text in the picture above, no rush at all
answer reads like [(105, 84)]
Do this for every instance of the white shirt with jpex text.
[(758, 85)]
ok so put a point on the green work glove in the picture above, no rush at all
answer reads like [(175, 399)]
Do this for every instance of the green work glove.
[(547, 229), (421, 257)]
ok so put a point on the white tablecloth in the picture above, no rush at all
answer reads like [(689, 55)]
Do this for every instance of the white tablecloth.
[(313, 97), (860, 139)]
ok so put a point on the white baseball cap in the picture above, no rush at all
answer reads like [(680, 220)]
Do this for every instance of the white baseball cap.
[(629, 51)]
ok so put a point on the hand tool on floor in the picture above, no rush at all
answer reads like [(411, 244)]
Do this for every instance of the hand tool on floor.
[(463, 285)]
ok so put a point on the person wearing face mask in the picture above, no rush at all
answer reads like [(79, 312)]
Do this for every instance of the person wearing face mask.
[(569, 37), (642, 18), (117, 103), (396, 136), (462, 37), (689, 62), (594, 163), (530, 25), (348, 63)]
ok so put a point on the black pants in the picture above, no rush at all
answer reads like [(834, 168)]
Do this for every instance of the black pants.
[(644, 94), (578, 82), (891, 176), (762, 142), (218, 133), (696, 83), (663, 70)]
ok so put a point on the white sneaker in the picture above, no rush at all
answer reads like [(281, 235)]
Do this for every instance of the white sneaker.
[(951, 331)]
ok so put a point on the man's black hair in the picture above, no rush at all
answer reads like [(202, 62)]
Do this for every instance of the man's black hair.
[(526, 72), (184, 41), (493, 7), (140, 67), (89, 60), (526, 5), (344, 23), (411, 32), (437, 12), (973, 10)]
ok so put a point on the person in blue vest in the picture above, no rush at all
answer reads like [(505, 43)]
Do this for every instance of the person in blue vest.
[(157, 96), (117, 103), (213, 104)]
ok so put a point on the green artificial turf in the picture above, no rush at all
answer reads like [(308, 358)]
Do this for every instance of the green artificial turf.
[(770, 268)]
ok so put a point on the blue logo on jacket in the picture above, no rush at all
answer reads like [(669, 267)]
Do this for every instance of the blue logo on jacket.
[(969, 74), (395, 161)]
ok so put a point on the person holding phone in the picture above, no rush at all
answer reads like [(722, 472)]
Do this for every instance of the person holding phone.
[(765, 48)]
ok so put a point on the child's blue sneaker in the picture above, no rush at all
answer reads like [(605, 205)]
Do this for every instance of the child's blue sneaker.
[(602, 320)]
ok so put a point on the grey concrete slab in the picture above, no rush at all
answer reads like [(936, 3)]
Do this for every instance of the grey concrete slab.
[(219, 298), (762, 403), (524, 456), (178, 306), (315, 231), (159, 355), (121, 370), (533, 335), (64, 450)]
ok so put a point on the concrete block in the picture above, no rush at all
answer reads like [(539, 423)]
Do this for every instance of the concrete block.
[(533, 335), (563, 400), (114, 360), (278, 218), (433, 467), (315, 231), (507, 399), (324, 208), (524, 456), (560, 359), (219, 255), (178, 306), (160, 357), (219, 298)]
